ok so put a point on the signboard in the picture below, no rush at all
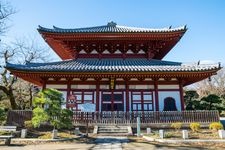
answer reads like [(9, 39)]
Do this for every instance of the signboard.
[(87, 107)]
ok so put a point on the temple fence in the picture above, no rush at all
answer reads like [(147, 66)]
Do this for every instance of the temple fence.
[(17, 117)]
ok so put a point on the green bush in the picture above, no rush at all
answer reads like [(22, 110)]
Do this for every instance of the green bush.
[(215, 126), (176, 125), (2, 116), (195, 126), (48, 109), (66, 119), (39, 116)]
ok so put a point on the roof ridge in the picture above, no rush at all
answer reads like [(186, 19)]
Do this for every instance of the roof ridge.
[(111, 27)]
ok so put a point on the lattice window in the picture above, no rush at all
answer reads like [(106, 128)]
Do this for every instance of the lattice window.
[(142, 101)]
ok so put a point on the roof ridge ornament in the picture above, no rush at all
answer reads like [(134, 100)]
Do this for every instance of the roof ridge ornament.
[(111, 24)]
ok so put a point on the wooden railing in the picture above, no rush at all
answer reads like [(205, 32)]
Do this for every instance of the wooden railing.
[(17, 117), (124, 118)]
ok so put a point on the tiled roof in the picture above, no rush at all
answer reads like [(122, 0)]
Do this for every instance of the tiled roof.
[(111, 27), (111, 65)]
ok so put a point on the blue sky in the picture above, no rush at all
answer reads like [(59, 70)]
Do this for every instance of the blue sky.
[(205, 19)]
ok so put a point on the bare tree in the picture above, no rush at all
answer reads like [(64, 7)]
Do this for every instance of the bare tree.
[(7, 81), (29, 50), (213, 85), (19, 92), (6, 10), (22, 51)]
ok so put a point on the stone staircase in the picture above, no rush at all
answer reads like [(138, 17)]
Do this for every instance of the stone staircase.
[(113, 130)]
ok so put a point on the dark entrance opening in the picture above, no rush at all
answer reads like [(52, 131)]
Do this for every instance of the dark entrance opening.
[(169, 104)]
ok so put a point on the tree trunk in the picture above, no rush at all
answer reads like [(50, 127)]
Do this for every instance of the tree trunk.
[(12, 100), (10, 96)]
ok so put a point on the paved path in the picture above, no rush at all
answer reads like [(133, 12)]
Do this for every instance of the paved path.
[(110, 143)]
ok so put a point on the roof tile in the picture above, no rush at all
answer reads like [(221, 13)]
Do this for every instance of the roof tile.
[(111, 65)]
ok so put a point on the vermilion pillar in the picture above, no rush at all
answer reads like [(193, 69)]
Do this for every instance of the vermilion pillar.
[(156, 95), (44, 84), (68, 92), (127, 96), (97, 96), (181, 95)]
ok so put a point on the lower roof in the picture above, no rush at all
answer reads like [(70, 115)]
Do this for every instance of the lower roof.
[(112, 65)]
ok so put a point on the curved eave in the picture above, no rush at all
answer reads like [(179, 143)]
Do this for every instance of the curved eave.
[(114, 72), (188, 77)]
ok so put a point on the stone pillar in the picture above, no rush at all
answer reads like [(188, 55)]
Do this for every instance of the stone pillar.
[(138, 126), (77, 131), (185, 134), (23, 133), (221, 134), (54, 134), (161, 134), (148, 130)]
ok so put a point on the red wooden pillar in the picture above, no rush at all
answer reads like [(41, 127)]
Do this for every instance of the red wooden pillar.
[(44, 84), (156, 95), (127, 96), (68, 92), (181, 95), (97, 96)]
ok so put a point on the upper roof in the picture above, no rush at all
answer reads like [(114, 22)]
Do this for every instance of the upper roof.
[(111, 27), (111, 65), (154, 43)]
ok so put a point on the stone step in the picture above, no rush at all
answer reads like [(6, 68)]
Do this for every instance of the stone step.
[(112, 130), (113, 134), (112, 127), (109, 133)]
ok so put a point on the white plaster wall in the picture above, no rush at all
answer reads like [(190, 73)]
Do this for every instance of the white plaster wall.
[(120, 87), (141, 86), (148, 79), (104, 86), (168, 86), (56, 86), (165, 94), (83, 86)]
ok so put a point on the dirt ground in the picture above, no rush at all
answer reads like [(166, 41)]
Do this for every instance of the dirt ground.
[(113, 143)]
